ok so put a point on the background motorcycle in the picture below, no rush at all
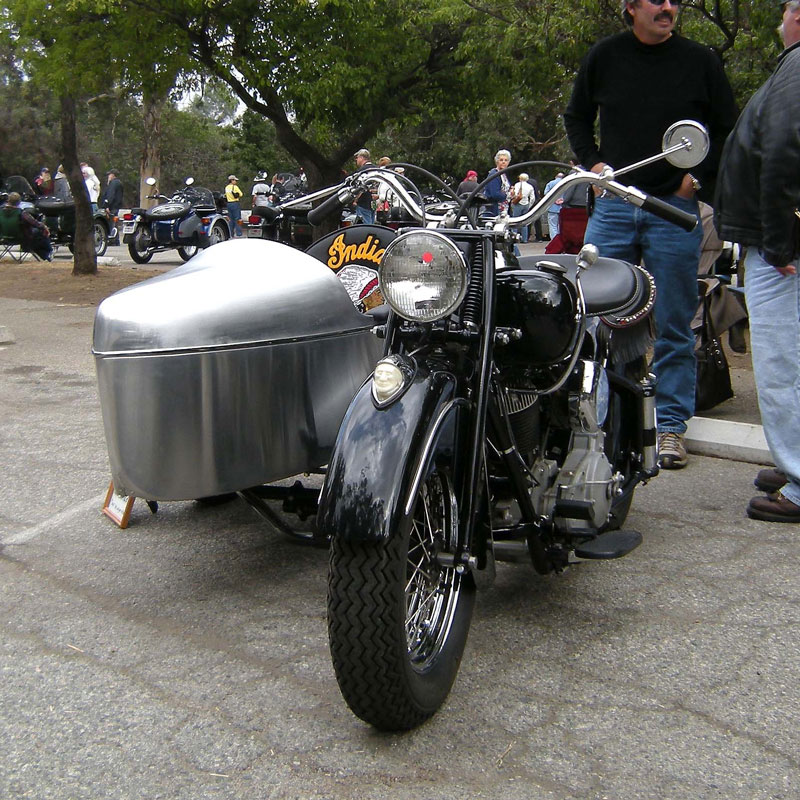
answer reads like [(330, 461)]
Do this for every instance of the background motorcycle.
[(58, 214), (189, 220), (284, 219), (510, 419)]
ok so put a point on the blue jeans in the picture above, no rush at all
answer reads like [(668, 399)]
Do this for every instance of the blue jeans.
[(517, 211), (235, 213), (773, 304), (620, 230), (366, 215), (552, 223)]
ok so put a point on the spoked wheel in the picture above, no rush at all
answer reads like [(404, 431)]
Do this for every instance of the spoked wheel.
[(190, 251), (216, 235), (100, 233), (398, 619), (138, 247)]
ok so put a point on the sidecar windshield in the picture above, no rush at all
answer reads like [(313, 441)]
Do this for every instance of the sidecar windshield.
[(196, 195), (17, 183)]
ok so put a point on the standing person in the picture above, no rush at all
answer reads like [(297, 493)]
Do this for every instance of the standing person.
[(499, 188), (555, 208), (469, 184), (111, 200), (43, 183), (92, 185), (756, 205), (61, 188), (537, 224), (522, 197), (640, 82), (364, 209), (384, 199), (259, 196), (233, 196)]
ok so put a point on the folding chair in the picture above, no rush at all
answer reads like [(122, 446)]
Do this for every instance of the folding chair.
[(15, 249)]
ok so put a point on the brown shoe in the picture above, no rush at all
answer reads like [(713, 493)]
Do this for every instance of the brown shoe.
[(671, 451), (773, 508), (769, 480)]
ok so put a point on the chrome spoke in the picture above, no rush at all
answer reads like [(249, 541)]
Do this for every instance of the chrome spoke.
[(431, 590)]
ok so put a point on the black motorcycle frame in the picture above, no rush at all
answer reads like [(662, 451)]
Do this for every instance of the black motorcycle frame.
[(442, 399)]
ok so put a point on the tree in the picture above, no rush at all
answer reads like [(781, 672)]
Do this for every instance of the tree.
[(328, 74), (55, 46)]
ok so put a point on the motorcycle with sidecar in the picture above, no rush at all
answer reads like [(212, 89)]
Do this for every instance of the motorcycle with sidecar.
[(285, 218), (188, 221), (58, 213), (493, 408)]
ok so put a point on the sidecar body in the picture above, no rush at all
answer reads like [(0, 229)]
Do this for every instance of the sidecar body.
[(231, 371)]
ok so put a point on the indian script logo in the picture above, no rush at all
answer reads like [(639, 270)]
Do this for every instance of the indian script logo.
[(340, 254)]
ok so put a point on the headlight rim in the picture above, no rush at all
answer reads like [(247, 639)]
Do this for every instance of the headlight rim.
[(403, 239)]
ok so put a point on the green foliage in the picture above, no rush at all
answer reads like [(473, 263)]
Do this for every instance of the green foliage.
[(256, 147), (444, 83)]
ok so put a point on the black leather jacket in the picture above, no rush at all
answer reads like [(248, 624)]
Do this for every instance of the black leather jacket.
[(758, 187)]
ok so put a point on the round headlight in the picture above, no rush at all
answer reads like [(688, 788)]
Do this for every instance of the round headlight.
[(423, 276)]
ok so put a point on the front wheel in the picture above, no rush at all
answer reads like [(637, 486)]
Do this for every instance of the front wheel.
[(397, 618), (138, 247), (190, 251)]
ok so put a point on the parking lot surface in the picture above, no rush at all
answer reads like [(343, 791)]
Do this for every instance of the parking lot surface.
[(186, 656)]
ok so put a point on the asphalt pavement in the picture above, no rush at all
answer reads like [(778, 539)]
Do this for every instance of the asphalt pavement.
[(186, 656)]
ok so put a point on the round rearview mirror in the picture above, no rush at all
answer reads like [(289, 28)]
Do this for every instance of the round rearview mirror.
[(150, 181), (189, 181), (685, 144)]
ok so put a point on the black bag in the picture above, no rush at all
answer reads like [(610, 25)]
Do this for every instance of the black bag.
[(713, 374)]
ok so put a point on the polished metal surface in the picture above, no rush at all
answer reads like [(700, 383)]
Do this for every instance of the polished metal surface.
[(234, 293), (226, 374)]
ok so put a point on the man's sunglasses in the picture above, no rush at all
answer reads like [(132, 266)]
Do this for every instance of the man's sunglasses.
[(661, 2)]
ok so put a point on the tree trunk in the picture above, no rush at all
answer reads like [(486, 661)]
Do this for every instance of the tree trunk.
[(150, 164), (83, 237)]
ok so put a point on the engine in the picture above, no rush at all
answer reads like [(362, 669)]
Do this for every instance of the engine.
[(578, 494)]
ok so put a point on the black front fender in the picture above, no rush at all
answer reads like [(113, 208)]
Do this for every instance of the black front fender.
[(378, 458)]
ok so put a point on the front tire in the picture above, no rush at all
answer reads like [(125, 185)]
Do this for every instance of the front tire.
[(138, 247), (397, 619)]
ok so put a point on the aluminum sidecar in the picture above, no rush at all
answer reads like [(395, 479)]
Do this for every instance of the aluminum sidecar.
[(228, 372)]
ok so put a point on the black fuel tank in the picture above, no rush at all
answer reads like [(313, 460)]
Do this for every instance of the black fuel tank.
[(542, 305)]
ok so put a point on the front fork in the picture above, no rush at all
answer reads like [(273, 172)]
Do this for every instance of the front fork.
[(474, 530), (649, 426)]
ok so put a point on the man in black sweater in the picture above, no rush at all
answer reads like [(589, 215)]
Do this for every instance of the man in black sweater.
[(640, 82)]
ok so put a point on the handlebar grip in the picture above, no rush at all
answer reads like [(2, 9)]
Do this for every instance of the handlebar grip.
[(326, 208), (683, 219)]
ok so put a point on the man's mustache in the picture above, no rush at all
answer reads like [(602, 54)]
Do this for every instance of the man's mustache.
[(666, 15)]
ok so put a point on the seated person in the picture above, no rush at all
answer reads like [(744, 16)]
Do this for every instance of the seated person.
[(18, 224)]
